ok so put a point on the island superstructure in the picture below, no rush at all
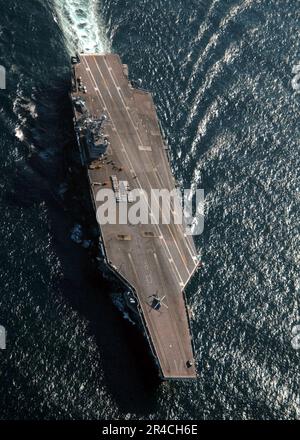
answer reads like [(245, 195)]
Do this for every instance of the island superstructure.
[(120, 140)]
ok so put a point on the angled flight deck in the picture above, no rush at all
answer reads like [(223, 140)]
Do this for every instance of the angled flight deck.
[(155, 261)]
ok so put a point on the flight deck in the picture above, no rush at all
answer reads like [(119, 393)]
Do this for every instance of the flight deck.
[(155, 261)]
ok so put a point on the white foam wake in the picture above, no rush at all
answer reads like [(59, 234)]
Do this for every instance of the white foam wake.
[(81, 23)]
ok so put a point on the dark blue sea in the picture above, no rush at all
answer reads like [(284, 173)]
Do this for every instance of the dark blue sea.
[(221, 73)]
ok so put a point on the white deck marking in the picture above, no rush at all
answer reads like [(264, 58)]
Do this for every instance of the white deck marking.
[(145, 148)]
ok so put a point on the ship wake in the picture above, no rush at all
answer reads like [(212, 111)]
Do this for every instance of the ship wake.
[(80, 21)]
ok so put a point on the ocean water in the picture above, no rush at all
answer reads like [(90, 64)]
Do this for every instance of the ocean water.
[(221, 72)]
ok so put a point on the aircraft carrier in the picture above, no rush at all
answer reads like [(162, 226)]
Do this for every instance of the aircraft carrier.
[(122, 148)]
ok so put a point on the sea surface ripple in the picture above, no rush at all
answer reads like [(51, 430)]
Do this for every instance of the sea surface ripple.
[(221, 75)]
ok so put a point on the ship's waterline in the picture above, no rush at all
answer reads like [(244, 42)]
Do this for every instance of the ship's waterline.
[(155, 260)]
